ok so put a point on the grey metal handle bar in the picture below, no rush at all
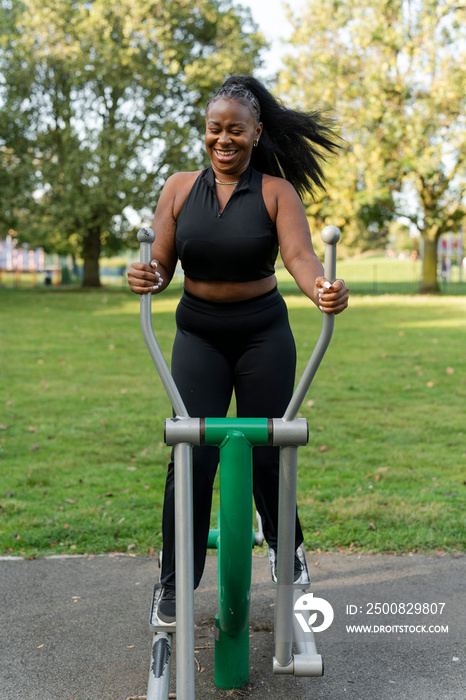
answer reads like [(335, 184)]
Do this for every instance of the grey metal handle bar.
[(146, 237), (330, 236)]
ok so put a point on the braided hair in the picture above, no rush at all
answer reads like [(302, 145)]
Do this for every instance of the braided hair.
[(293, 144)]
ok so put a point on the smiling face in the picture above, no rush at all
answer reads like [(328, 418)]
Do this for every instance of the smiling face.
[(230, 133)]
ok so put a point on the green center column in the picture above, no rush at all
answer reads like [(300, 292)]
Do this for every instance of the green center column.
[(235, 438)]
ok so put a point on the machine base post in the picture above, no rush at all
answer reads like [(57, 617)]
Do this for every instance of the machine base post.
[(301, 665), (231, 658)]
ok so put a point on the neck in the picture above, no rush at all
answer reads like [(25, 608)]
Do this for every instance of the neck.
[(228, 178)]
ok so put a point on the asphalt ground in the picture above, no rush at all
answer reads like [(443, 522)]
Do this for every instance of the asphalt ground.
[(77, 629)]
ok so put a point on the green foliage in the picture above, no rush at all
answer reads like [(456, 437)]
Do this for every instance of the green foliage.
[(16, 172), (394, 75), (108, 101), (82, 458)]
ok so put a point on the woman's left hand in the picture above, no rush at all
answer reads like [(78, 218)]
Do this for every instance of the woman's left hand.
[(332, 298)]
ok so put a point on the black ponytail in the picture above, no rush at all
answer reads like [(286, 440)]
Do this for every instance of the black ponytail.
[(293, 144)]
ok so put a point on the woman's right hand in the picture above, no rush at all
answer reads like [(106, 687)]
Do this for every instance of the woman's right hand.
[(143, 278)]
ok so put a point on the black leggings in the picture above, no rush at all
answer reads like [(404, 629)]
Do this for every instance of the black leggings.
[(245, 347)]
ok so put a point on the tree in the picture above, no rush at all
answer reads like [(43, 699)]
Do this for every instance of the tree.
[(17, 178), (394, 74), (110, 96)]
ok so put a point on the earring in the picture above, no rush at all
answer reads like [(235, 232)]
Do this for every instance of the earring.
[(256, 143)]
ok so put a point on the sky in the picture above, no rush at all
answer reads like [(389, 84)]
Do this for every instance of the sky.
[(270, 16)]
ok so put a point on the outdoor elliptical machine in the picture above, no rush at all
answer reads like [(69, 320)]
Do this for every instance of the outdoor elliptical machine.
[(234, 537)]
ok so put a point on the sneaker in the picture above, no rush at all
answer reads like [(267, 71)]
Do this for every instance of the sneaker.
[(166, 609), (298, 567)]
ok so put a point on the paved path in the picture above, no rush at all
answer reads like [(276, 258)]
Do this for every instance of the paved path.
[(77, 629)]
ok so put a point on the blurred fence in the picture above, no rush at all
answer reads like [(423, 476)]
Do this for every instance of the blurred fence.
[(385, 275), (363, 275)]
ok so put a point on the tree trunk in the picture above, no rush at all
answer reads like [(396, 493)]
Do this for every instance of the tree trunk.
[(429, 282), (91, 254)]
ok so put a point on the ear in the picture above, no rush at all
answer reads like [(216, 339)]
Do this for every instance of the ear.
[(259, 128)]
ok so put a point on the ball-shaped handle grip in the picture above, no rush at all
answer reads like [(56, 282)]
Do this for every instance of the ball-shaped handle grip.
[(330, 234), (146, 235)]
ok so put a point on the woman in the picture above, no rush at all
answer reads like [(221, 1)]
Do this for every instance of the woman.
[(225, 224)]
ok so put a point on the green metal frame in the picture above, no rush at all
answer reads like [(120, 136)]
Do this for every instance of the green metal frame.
[(234, 539)]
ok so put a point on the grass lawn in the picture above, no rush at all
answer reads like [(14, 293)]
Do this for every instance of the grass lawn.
[(82, 458)]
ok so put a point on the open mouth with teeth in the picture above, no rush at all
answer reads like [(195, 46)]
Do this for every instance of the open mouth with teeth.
[(224, 155)]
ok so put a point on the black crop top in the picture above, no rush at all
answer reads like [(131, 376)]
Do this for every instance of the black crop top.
[(238, 244)]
